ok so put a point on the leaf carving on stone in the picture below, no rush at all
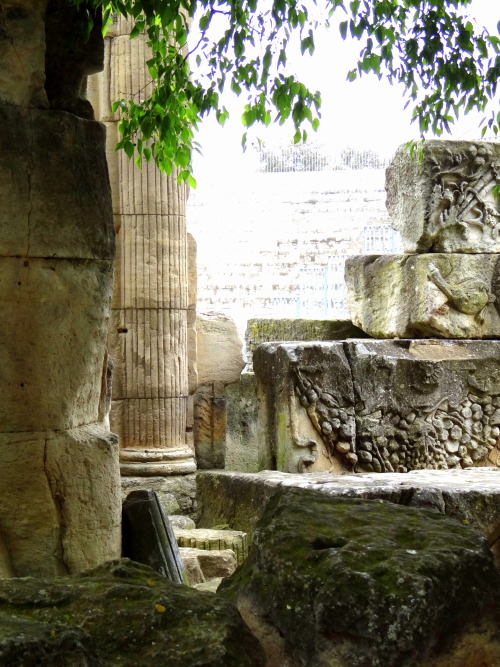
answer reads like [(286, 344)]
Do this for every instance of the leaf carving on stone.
[(463, 194), (334, 422)]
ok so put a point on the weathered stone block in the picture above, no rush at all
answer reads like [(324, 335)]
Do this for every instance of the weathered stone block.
[(306, 406), (52, 353), (243, 444), (210, 539), (220, 356), (443, 199), (60, 510), (352, 582), (43, 214), (269, 330), (121, 613), (472, 496), (209, 426), (424, 296), (425, 404), (22, 53)]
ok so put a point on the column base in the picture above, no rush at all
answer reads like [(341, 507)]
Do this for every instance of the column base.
[(139, 462)]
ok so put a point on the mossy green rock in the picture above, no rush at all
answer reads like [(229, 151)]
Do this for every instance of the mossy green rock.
[(121, 613), (348, 582)]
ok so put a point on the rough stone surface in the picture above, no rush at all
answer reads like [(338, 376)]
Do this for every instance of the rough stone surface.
[(53, 323), (123, 614), (220, 356), (351, 582), (243, 444), (425, 296), (426, 404), (212, 539), (43, 214), (177, 493), (442, 200), (471, 496), (209, 425), (269, 330), (305, 399), (22, 53), (59, 501)]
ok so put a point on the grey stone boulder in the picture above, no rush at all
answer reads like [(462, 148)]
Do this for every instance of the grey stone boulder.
[(121, 613), (349, 582)]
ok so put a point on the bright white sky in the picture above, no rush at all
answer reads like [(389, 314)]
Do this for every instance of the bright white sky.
[(366, 113)]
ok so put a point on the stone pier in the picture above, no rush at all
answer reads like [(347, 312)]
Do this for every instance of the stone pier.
[(59, 485)]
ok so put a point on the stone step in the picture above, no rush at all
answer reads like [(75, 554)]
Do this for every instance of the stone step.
[(209, 539)]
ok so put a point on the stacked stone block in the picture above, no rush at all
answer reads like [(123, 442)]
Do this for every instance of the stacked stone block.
[(428, 394), (435, 403)]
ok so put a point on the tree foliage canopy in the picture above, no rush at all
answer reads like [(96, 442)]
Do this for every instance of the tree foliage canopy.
[(447, 64)]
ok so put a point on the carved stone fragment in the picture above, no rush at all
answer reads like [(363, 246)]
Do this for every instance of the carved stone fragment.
[(419, 296), (442, 199), (425, 404), (306, 406)]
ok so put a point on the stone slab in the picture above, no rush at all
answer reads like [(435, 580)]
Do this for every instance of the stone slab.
[(60, 509), (441, 199), (43, 214), (425, 296), (53, 328), (471, 496), (260, 330)]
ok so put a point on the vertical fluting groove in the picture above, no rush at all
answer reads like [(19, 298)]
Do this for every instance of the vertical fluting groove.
[(152, 296)]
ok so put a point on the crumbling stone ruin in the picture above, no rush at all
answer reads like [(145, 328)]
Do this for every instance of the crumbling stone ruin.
[(428, 396)]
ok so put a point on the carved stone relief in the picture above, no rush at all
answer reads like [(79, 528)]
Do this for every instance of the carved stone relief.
[(422, 296), (446, 201), (437, 408), (380, 406)]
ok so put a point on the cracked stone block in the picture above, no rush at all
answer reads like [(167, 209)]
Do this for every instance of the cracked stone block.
[(425, 404), (442, 199), (306, 413), (53, 327), (60, 510), (22, 52), (56, 197), (425, 296)]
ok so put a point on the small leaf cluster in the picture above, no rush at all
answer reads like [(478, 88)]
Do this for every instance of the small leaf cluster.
[(446, 64)]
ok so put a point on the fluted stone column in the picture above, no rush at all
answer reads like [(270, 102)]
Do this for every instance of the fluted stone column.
[(148, 333)]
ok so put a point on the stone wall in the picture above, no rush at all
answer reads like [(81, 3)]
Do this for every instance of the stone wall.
[(265, 252)]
